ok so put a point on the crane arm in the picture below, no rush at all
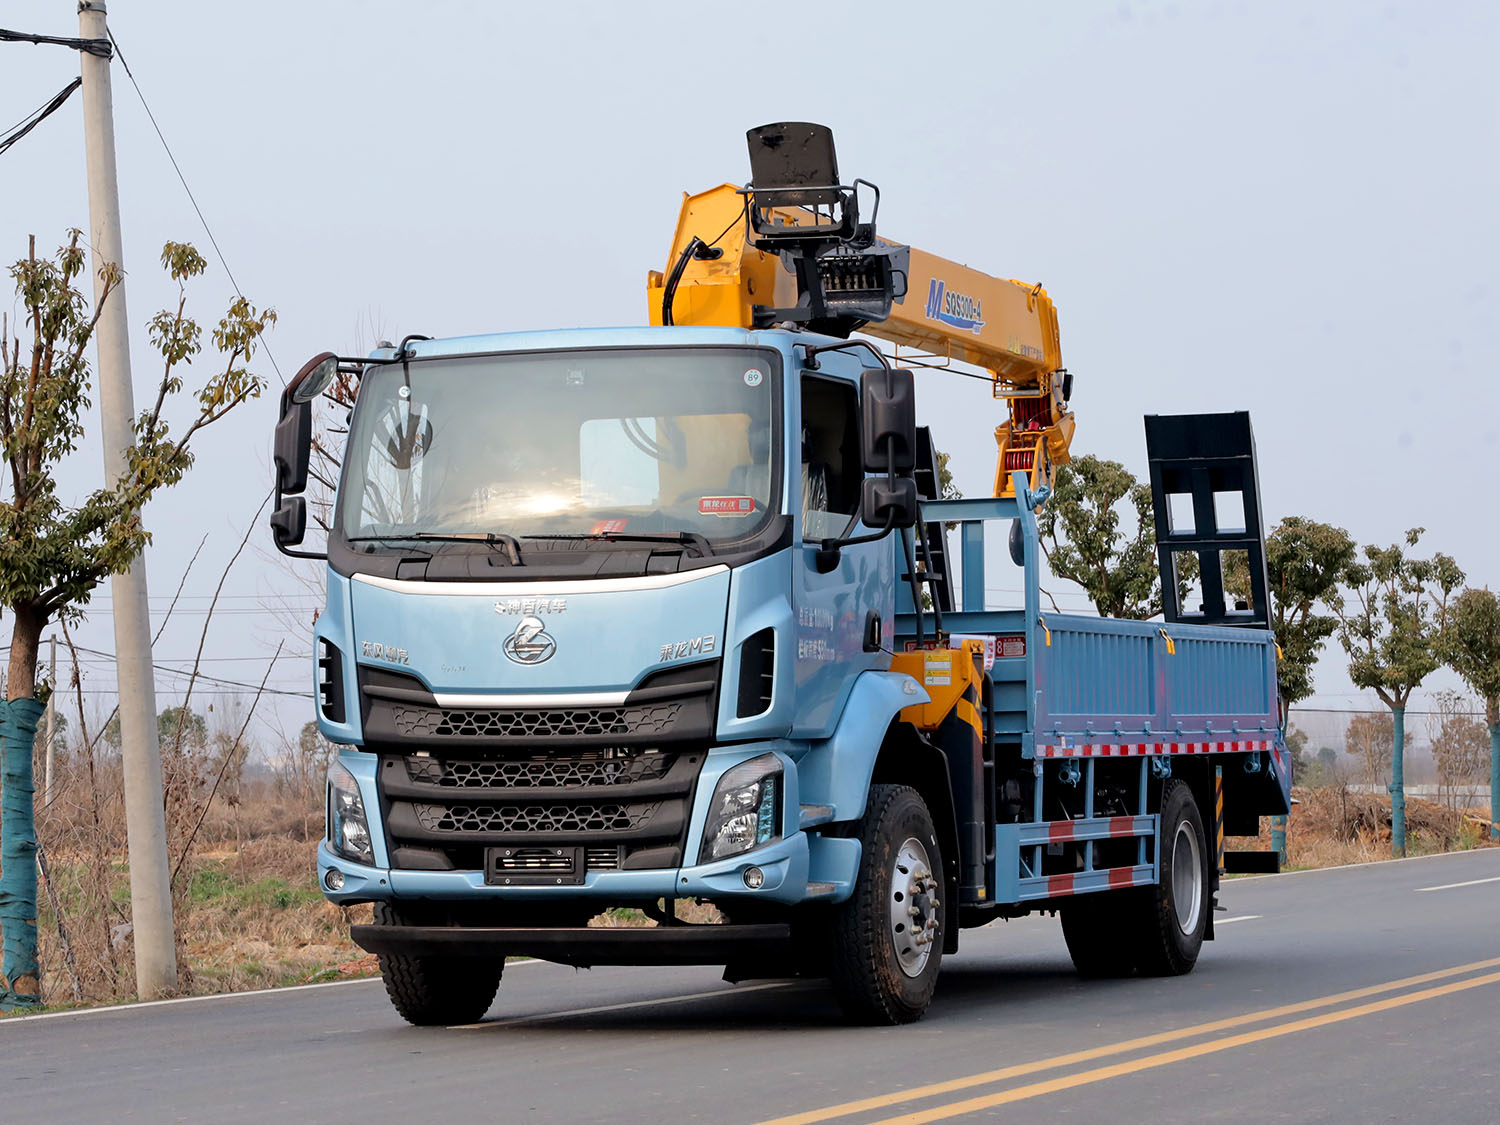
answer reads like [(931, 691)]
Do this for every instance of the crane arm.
[(944, 310)]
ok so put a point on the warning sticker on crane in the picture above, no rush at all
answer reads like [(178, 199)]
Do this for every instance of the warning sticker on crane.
[(1002, 648)]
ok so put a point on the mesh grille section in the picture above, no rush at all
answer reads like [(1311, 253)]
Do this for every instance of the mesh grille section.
[(534, 818), (605, 768), (557, 723)]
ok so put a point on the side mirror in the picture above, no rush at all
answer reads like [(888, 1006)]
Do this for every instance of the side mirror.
[(289, 522), (294, 430), (888, 403), (883, 499), (293, 447)]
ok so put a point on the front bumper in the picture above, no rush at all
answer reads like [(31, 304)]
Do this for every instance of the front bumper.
[(659, 945), (786, 865)]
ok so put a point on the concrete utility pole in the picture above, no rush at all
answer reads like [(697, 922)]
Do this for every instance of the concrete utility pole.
[(51, 715), (145, 822)]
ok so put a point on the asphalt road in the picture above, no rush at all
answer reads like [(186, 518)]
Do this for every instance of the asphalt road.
[(1354, 994)]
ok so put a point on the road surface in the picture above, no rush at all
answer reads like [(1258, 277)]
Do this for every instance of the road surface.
[(1369, 993)]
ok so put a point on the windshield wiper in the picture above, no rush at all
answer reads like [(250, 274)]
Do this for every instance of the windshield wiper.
[(691, 539), (492, 538)]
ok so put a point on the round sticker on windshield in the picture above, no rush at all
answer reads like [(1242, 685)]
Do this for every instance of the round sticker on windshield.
[(753, 377)]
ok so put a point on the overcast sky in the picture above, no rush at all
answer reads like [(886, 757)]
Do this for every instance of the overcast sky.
[(1281, 207)]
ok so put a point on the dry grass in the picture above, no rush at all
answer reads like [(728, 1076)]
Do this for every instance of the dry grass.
[(248, 918), (1333, 827)]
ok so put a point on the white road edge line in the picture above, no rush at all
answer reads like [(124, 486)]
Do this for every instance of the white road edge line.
[(548, 1017), (1237, 918), (1350, 866), (1451, 886), (137, 1006)]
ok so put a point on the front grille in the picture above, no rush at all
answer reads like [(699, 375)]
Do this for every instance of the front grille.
[(602, 859), (574, 818), (555, 723), (605, 809), (551, 772)]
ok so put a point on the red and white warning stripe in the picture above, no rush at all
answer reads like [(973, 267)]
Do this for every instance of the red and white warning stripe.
[(1143, 749), (1060, 885), (1102, 829)]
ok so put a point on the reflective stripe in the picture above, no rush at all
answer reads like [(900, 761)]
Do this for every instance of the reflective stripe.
[(1134, 749)]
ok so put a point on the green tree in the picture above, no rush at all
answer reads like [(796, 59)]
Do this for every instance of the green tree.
[(182, 726), (1305, 560), (1470, 645), (1082, 539), (1392, 633), (53, 553)]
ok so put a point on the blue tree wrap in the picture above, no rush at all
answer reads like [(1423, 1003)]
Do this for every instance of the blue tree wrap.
[(18, 722)]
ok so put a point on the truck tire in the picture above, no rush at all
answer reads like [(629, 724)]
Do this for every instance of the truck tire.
[(1175, 918), (888, 937), (436, 991), (1091, 925)]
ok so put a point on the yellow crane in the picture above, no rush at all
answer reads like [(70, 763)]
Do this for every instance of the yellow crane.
[(728, 266)]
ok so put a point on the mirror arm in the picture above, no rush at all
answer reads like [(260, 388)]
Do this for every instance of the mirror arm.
[(810, 353)]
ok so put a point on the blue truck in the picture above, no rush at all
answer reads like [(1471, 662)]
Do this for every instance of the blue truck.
[(632, 617)]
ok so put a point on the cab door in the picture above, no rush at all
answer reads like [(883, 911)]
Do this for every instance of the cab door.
[(837, 611)]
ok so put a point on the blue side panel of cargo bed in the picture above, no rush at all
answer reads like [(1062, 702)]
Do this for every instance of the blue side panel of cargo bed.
[(1138, 681)]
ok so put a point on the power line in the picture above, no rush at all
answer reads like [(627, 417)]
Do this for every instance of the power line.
[(205, 676), (183, 180), (37, 116), (97, 47)]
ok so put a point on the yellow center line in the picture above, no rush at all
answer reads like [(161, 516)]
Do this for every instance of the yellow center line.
[(1020, 1070), (1197, 1050)]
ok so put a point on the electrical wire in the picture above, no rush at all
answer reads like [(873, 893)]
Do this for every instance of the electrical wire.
[(99, 47), (37, 116), (183, 180)]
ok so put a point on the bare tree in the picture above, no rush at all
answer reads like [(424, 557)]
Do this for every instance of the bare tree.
[(1460, 748)]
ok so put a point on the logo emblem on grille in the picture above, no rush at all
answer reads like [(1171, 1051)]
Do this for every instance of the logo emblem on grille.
[(530, 643)]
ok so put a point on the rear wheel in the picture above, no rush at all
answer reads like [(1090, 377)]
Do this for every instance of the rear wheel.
[(1175, 914), (436, 991), (888, 938)]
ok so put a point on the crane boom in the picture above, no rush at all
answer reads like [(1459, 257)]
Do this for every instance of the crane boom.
[(944, 312)]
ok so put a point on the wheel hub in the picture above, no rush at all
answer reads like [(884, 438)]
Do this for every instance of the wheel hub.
[(1187, 878), (915, 908)]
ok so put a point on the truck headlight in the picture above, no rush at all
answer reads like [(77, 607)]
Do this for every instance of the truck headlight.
[(745, 811), (348, 829)]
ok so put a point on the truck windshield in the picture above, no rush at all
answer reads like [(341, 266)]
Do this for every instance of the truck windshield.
[(610, 442)]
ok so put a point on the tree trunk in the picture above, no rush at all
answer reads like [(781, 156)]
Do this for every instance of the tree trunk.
[(18, 722), (25, 647), (1494, 773), (1398, 786)]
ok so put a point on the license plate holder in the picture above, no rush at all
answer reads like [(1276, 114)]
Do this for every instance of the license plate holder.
[(534, 866)]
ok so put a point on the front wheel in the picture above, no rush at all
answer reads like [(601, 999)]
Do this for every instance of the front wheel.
[(888, 937), (1175, 916), (436, 991)]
